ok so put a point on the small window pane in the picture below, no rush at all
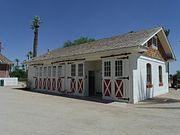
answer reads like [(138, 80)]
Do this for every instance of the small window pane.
[(118, 68), (107, 68), (49, 71), (73, 70), (54, 71), (80, 70), (40, 72), (59, 71)]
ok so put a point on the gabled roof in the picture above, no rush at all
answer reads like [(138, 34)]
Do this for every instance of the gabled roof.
[(4, 60), (131, 39)]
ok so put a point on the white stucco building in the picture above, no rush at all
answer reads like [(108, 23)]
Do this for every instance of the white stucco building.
[(129, 67)]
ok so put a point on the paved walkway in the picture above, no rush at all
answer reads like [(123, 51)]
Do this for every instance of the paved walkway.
[(28, 113)]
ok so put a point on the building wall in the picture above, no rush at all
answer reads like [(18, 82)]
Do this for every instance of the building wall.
[(10, 81), (140, 90), (132, 83), (4, 70)]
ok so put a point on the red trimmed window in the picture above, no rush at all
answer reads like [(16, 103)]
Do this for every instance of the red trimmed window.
[(160, 76), (149, 76)]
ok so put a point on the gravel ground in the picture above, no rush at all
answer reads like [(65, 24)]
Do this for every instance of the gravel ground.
[(29, 113)]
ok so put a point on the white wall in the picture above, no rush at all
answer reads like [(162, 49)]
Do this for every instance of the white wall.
[(140, 92), (10, 81)]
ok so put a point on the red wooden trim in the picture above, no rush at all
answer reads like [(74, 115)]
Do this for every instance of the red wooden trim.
[(119, 91), (149, 85), (80, 85), (44, 83), (49, 84), (40, 83), (54, 84), (107, 87), (73, 85), (36, 83), (59, 85), (160, 84)]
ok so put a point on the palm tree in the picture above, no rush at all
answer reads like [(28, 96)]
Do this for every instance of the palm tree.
[(17, 63), (35, 27), (23, 67), (29, 55)]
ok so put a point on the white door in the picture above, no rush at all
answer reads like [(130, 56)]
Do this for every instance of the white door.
[(121, 78), (61, 77)]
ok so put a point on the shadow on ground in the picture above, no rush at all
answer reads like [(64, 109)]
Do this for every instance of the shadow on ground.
[(161, 107), (159, 103), (97, 99), (160, 100)]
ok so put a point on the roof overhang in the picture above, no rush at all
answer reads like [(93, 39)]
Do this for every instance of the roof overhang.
[(166, 45)]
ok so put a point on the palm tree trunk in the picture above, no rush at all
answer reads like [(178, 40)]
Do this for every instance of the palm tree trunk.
[(35, 43)]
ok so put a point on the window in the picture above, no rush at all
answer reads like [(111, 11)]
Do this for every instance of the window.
[(149, 74), (80, 70), (40, 72), (73, 70), (49, 71), (45, 72), (54, 71), (107, 68), (118, 68), (160, 76), (59, 71), (154, 41)]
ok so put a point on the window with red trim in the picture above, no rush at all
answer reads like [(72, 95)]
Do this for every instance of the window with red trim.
[(160, 76), (149, 76)]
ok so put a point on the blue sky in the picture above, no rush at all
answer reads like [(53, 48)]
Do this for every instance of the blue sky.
[(70, 19)]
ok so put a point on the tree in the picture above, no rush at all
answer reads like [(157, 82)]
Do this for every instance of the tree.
[(17, 62), (20, 74), (78, 41), (23, 67), (35, 27), (29, 55), (67, 43), (178, 73)]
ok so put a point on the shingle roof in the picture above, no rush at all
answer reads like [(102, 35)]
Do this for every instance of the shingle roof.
[(4, 60), (130, 39)]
